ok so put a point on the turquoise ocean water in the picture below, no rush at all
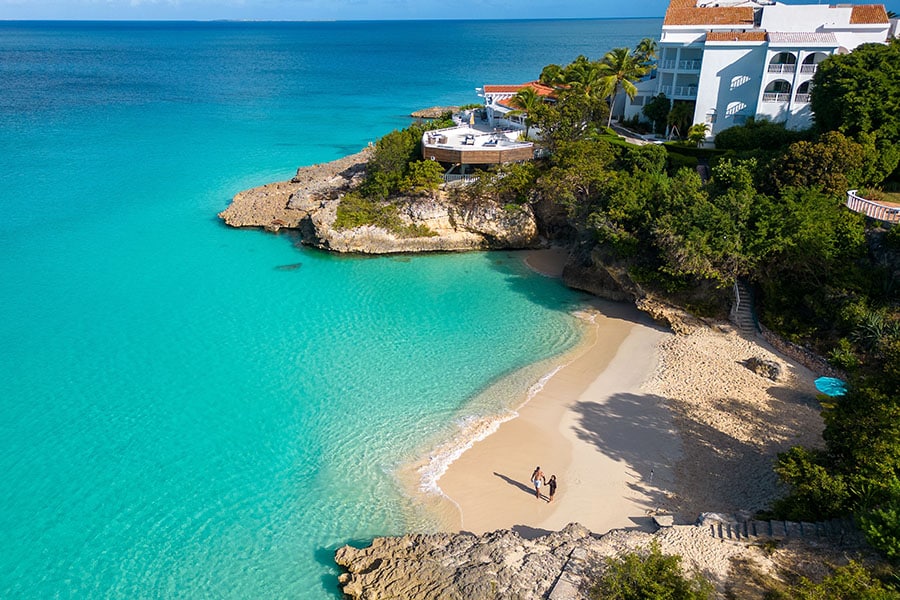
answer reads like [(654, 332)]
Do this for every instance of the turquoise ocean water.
[(194, 411)]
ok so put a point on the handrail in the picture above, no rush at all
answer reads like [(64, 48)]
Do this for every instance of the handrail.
[(873, 210)]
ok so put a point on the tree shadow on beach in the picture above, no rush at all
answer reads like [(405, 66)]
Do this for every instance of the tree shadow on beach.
[(639, 431), (517, 484)]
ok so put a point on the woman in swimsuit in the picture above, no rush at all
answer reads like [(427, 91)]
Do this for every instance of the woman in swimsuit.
[(538, 479)]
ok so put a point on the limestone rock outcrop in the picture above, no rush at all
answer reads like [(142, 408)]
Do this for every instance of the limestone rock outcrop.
[(309, 203), (458, 566)]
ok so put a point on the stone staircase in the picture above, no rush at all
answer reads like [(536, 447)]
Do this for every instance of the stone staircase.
[(739, 529), (742, 312)]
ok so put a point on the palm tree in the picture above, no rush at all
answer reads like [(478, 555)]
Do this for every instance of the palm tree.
[(584, 77), (646, 51), (697, 133), (526, 100), (619, 68), (681, 115)]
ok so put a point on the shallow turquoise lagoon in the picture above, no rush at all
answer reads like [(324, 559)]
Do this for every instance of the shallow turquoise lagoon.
[(194, 411)]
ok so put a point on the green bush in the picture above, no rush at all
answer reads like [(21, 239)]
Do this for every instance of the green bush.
[(842, 355), (681, 161), (648, 575), (356, 210), (816, 492), (758, 134), (850, 582), (422, 177)]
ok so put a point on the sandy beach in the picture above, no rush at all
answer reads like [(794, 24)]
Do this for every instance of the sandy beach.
[(636, 421)]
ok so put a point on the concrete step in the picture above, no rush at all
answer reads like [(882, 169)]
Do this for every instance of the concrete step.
[(741, 529)]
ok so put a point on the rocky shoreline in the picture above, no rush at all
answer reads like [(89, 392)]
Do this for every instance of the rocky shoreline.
[(505, 564), (560, 565), (308, 203)]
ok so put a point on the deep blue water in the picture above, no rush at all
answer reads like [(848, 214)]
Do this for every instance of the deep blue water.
[(180, 416)]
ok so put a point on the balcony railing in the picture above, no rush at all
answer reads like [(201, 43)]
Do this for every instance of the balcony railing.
[(680, 91), (682, 65), (771, 97), (777, 68), (808, 68), (801, 98), (873, 210)]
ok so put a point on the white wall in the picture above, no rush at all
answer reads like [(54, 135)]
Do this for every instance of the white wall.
[(730, 80)]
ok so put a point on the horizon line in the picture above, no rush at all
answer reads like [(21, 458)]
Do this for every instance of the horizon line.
[(115, 20)]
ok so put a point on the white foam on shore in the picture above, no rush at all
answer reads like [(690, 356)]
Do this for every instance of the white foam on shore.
[(471, 430)]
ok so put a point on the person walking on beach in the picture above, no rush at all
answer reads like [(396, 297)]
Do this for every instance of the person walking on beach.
[(538, 479), (552, 486)]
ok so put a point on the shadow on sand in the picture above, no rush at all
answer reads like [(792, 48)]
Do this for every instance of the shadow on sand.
[(517, 484)]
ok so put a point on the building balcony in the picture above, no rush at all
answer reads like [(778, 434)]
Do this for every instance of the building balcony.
[(681, 65), (801, 98), (776, 97), (808, 68), (782, 68), (680, 92)]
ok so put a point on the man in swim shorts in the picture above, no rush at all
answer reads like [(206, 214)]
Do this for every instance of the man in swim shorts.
[(538, 479)]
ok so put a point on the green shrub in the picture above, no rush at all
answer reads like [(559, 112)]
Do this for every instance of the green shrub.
[(648, 575), (843, 357), (422, 177), (758, 134), (356, 210), (681, 161), (881, 527), (816, 492), (850, 582)]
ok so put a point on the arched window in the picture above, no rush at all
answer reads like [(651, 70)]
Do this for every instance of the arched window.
[(803, 90), (783, 62), (812, 61), (777, 91), (784, 58)]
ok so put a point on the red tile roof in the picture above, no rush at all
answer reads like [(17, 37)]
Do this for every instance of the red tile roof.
[(735, 36), (868, 13), (686, 12), (539, 88)]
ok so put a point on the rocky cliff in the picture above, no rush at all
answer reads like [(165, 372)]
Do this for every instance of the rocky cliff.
[(741, 558), (309, 203)]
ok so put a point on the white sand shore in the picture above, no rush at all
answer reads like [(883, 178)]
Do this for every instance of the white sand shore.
[(636, 421)]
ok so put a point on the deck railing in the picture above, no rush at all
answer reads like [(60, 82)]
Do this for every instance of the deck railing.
[(808, 68), (776, 97), (873, 210), (802, 98), (782, 68)]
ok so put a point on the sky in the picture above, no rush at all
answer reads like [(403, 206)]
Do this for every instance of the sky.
[(319, 10), (328, 10)]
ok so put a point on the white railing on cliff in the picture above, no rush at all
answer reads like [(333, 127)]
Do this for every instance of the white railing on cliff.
[(873, 210), (462, 178)]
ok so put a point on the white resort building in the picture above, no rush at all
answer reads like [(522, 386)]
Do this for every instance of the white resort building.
[(737, 58)]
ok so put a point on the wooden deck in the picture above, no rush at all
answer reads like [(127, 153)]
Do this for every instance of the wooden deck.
[(469, 145)]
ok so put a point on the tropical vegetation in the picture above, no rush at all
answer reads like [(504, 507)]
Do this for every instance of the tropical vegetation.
[(770, 213), (647, 574)]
